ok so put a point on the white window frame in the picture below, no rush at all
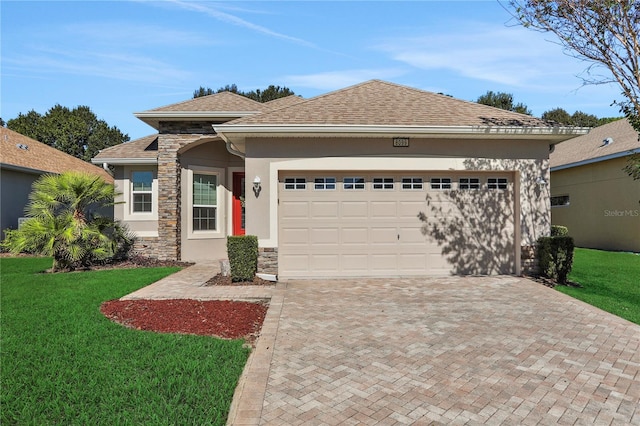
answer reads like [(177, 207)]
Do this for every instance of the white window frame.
[(412, 183), (126, 186), (469, 184), (497, 183), (382, 183), (566, 200), (324, 183), (353, 183), (295, 183), (440, 183), (135, 192), (219, 232)]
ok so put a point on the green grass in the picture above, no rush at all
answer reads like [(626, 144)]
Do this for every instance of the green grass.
[(608, 280), (63, 362)]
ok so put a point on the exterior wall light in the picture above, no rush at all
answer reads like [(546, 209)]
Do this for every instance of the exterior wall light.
[(257, 187)]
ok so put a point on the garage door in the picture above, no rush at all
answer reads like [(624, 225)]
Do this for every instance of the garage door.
[(395, 224)]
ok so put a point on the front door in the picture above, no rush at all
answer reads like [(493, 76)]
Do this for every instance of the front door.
[(238, 203)]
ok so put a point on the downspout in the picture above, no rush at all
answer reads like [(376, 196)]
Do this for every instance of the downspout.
[(230, 146)]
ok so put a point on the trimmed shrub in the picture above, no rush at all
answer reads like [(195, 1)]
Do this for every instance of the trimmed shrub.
[(555, 257), (559, 231), (243, 257)]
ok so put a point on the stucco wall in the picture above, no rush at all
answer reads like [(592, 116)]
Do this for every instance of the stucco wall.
[(142, 224), (15, 188), (604, 209)]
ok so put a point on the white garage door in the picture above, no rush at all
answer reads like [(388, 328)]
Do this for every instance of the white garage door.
[(395, 224)]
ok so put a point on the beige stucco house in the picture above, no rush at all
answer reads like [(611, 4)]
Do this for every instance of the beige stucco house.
[(591, 194), (22, 161), (376, 179)]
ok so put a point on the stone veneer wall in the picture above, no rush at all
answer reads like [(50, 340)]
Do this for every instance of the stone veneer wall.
[(268, 260), (147, 247), (528, 260)]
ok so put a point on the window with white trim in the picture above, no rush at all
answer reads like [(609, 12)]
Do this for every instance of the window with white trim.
[(205, 202), (469, 183), (412, 183), (560, 200), (141, 191), (383, 183), (323, 183), (497, 183), (295, 183), (440, 183), (353, 183)]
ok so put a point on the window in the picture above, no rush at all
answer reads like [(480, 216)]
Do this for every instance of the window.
[(353, 183), (560, 200), (469, 183), (411, 183), (205, 202), (383, 183), (440, 183), (497, 183), (142, 196), (295, 183), (325, 183)]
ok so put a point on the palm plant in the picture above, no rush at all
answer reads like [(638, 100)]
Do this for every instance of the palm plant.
[(62, 223)]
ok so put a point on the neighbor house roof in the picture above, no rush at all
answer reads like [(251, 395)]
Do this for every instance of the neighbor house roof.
[(612, 140), (22, 153), (137, 151)]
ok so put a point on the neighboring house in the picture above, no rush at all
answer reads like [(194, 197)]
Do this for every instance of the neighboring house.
[(22, 161), (591, 194), (377, 179)]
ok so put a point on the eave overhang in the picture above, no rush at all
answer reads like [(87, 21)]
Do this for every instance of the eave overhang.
[(124, 161), (153, 118), (595, 160)]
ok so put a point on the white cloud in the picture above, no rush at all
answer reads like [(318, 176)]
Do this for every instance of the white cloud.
[(333, 80)]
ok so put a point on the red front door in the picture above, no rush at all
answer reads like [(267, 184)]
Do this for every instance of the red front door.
[(238, 203)]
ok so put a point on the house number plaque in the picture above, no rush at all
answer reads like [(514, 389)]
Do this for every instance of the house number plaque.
[(400, 142)]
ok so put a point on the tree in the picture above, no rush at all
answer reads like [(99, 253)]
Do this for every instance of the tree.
[(270, 93), (579, 118), (2, 123), (605, 34), (61, 223), (77, 131), (557, 115), (503, 100)]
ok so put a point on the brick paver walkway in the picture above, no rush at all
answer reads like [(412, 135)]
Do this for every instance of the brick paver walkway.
[(491, 350)]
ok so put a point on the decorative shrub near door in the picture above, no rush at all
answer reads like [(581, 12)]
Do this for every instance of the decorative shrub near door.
[(555, 257), (243, 256)]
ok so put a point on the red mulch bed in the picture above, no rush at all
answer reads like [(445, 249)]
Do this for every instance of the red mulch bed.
[(220, 318)]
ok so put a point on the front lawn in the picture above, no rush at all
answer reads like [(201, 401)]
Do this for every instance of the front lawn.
[(608, 280), (63, 362)]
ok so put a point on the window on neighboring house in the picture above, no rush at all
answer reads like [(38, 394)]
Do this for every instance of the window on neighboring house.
[(411, 183), (141, 191), (469, 183), (440, 183), (559, 200), (353, 183), (497, 183), (295, 183), (324, 183), (205, 202), (383, 183)]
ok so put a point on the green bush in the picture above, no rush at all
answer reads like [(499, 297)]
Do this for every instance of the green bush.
[(243, 257), (555, 257), (559, 231)]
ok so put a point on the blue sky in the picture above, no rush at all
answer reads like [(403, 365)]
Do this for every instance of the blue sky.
[(121, 57)]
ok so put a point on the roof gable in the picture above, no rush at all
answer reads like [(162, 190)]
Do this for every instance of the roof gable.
[(24, 153), (591, 147), (377, 102), (142, 148), (223, 101)]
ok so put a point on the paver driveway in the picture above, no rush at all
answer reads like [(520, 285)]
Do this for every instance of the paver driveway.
[(478, 350)]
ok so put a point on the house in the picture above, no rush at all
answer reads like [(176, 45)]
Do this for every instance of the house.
[(22, 161), (591, 194), (376, 179)]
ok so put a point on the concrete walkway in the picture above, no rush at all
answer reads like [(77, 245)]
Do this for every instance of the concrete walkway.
[(490, 350)]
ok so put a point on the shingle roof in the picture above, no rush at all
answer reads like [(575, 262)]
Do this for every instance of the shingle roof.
[(377, 102), (283, 102), (223, 101), (26, 153), (145, 147), (591, 146)]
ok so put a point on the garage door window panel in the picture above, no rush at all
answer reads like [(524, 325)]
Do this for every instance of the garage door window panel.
[(440, 183), (295, 183), (324, 183), (469, 183), (353, 183), (412, 183), (497, 183), (383, 183)]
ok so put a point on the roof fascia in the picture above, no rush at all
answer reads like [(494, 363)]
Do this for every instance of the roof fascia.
[(153, 118), (595, 160), (124, 161)]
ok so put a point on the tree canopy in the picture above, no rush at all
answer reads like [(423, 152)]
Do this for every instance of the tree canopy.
[(77, 131), (578, 118), (503, 100), (270, 93)]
